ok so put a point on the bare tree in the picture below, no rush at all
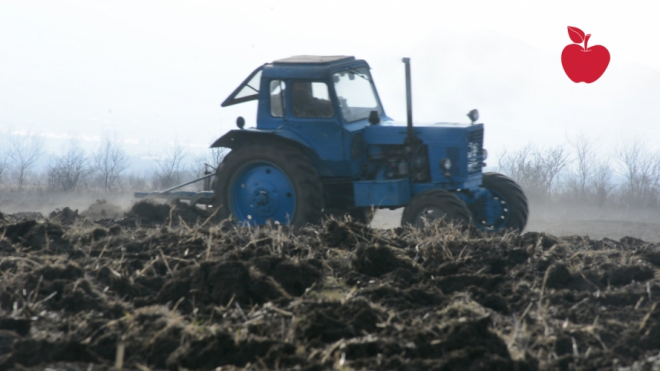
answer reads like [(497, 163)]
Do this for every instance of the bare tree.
[(208, 163), (137, 182), (518, 165), (69, 172), (601, 185), (586, 164), (552, 161), (3, 167), (23, 151), (170, 169), (216, 156), (535, 169), (109, 162), (590, 180), (3, 159), (641, 168)]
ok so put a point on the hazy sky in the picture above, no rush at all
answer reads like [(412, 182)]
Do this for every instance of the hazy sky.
[(154, 72)]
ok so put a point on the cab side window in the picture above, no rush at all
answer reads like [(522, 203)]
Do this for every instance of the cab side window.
[(311, 100), (277, 100)]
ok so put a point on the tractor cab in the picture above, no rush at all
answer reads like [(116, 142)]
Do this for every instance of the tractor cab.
[(321, 102)]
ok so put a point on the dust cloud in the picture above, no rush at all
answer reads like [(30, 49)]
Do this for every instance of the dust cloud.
[(570, 221), (555, 219), (47, 202)]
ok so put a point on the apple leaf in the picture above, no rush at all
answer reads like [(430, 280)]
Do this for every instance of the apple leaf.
[(576, 34)]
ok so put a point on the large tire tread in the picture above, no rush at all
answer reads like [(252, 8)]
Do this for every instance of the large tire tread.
[(514, 196), (302, 174), (454, 207)]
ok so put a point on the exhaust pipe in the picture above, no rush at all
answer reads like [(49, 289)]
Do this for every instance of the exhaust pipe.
[(411, 139), (408, 96)]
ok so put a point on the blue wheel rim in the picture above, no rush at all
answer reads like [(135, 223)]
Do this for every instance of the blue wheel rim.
[(495, 213), (260, 192)]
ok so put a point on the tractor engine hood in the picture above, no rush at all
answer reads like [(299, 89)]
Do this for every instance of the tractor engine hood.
[(436, 124), (460, 143), (442, 133)]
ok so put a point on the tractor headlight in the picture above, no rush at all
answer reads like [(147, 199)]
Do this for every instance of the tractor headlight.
[(445, 164), (473, 115), (485, 153)]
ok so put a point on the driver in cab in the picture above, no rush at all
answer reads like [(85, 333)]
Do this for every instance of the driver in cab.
[(305, 104)]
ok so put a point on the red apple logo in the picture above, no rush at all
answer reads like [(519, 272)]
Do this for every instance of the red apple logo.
[(583, 64)]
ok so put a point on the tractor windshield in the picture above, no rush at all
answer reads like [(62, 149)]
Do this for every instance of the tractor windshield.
[(247, 91), (356, 94)]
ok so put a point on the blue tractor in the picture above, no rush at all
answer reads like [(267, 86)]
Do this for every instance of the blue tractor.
[(323, 145)]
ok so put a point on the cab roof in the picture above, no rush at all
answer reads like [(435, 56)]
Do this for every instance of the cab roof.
[(314, 59), (309, 67)]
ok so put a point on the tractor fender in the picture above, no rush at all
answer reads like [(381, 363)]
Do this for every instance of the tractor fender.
[(236, 138)]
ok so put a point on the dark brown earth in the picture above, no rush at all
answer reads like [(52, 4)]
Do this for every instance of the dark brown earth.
[(175, 291)]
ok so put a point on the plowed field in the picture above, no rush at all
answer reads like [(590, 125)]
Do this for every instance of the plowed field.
[(163, 289)]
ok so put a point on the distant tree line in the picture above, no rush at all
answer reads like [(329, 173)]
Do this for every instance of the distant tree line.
[(576, 173), (105, 169), (579, 174)]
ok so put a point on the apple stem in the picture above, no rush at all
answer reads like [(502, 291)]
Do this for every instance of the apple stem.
[(586, 41)]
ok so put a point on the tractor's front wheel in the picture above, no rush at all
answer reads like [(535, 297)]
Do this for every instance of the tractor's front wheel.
[(261, 182), (505, 208), (435, 204)]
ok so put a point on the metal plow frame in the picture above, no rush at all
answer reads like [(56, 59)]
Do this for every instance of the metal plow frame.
[(193, 198)]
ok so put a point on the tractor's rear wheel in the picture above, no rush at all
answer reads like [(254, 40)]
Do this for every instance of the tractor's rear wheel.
[(435, 204), (506, 207), (261, 182), (362, 215)]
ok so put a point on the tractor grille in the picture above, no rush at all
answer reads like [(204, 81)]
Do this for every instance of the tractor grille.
[(475, 151)]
